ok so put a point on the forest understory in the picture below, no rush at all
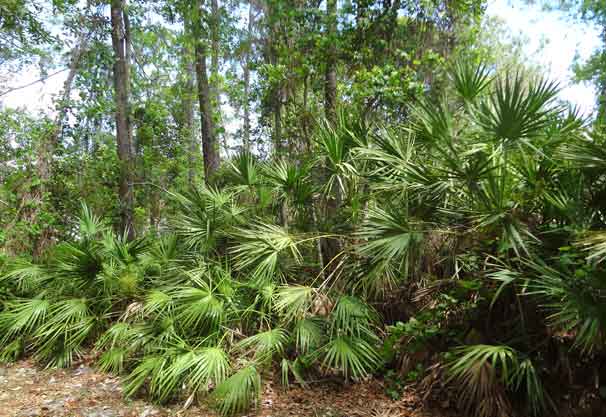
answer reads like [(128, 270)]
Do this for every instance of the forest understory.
[(298, 208), (27, 390)]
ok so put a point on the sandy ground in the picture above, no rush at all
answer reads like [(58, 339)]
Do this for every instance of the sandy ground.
[(28, 391)]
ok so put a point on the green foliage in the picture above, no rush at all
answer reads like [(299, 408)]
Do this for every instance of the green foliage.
[(485, 370), (571, 293), (384, 245), (237, 392)]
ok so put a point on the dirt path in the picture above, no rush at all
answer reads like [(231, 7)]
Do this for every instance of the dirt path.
[(27, 391)]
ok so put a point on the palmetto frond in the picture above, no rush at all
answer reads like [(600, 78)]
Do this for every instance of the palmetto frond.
[(433, 123), (69, 323), (90, 225), (245, 169), (198, 308), (76, 265), (120, 334), (197, 369), (24, 276), (576, 303), (470, 80), (265, 344), (149, 366), (239, 391), (595, 244), (336, 143), (352, 356), (352, 317), (527, 378), (294, 301), (12, 351), (484, 370), (21, 317), (113, 360), (161, 256), (468, 359), (290, 182), (260, 248), (309, 334), (210, 365), (205, 216), (390, 234), (519, 109), (586, 152), (158, 302)]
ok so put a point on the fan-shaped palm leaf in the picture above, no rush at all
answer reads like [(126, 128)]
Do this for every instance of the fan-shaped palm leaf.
[(265, 344), (308, 334), (519, 109), (198, 308), (238, 392), (260, 248), (352, 356), (22, 317), (68, 325), (470, 79), (293, 301)]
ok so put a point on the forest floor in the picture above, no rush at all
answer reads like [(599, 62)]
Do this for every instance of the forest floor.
[(29, 391)]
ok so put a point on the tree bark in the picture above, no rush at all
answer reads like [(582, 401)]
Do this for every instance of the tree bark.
[(209, 141), (188, 98), (331, 247), (276, 92), (601, 116), (215, 89), (330, 80), (246, 69), (123, 125)]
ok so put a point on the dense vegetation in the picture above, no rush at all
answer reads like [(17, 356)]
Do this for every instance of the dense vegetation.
[(407, 209)]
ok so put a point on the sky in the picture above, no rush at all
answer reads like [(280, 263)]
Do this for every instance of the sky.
[(553, 41)]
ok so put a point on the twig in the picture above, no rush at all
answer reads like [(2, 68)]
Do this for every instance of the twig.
[(10, 90)]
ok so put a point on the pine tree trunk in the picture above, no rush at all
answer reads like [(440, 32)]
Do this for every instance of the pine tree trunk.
[(246, 69), (601, 116), (330, 87), (215, 89), (188, 98), (123, 128), (332, 246), (209, 142), (276, 92)]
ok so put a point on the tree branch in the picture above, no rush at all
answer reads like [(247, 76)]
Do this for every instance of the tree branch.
[(10, 90)]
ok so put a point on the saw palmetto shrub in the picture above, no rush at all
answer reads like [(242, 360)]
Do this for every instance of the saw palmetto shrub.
[(471, 232)]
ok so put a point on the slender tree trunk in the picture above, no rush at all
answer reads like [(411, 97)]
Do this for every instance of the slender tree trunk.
[(601, 116), (246, 138), (330, 80), (246, 69), (188, 98), (215, 89), (277, 133), (306, 114), (331, 247), (123, 128), (276, 92), (49, 143), (209, 141), (188, 123)]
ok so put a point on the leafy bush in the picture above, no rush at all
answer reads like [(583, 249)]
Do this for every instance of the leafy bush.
[(447, 223)]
